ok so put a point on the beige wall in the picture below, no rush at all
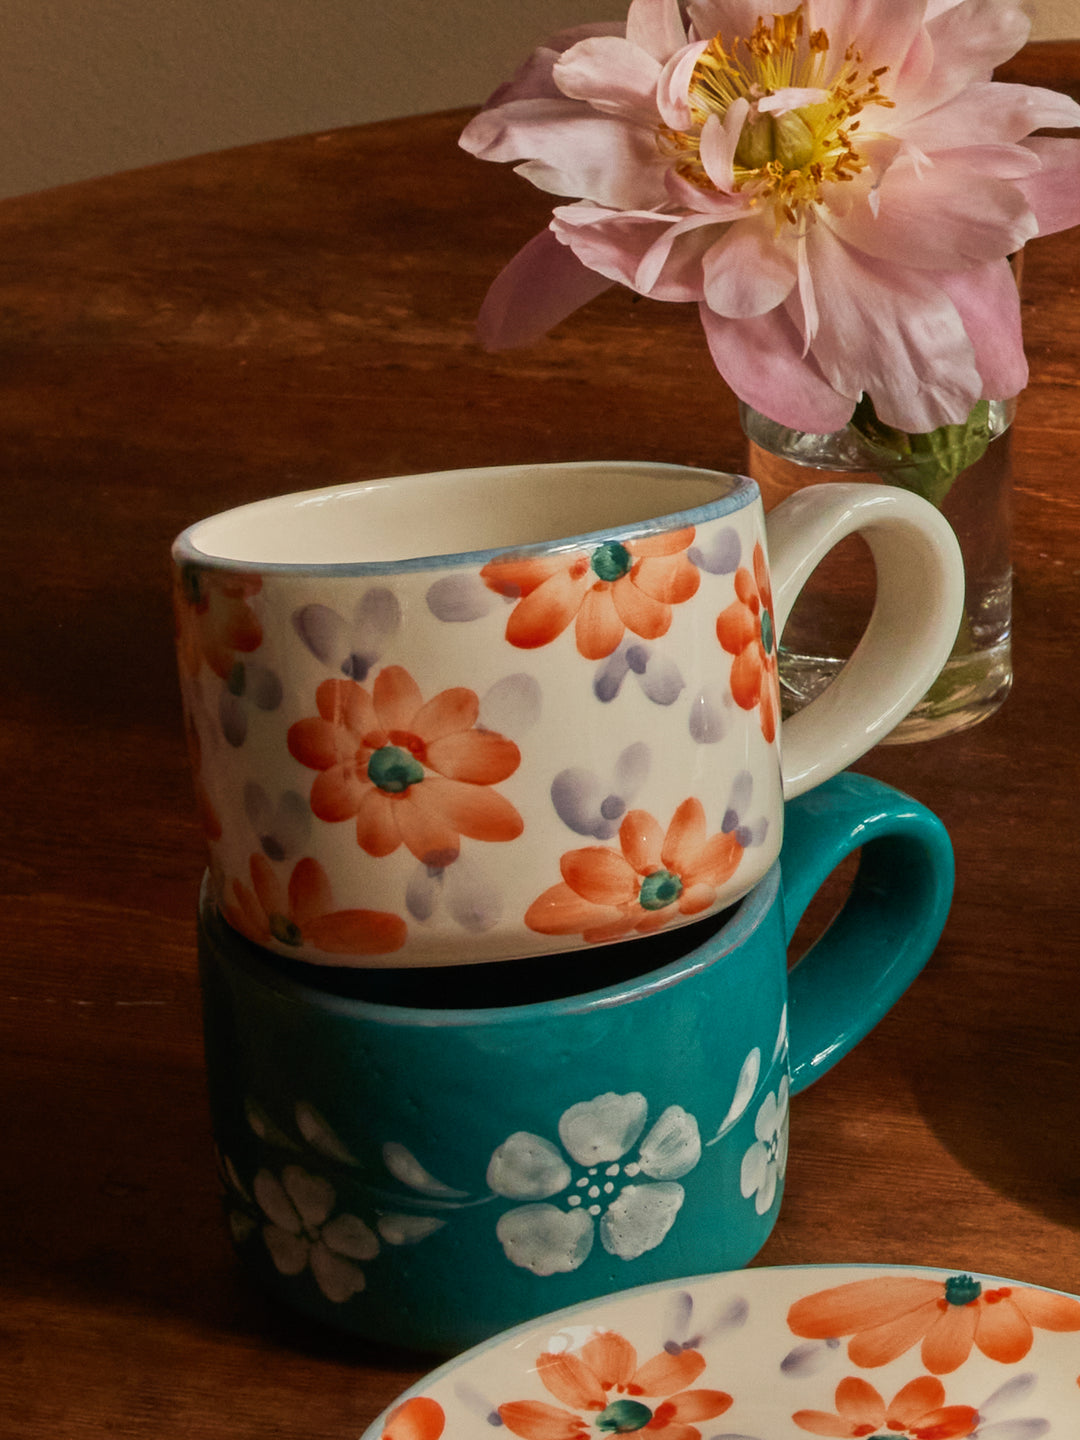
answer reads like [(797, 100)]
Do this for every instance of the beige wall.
[(94, 86)]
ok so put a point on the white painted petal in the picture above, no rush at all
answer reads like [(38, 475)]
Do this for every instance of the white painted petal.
[(319, 1135), (598, 1131), (767, 1118), (288, 1252), (639, 1219), (274, 1202), (767, 1193), (349, 1235), (407, 1229), (544, 1239), (754, 1168), (527, 1167), (241, 1226), (338, 1279), (672, 1147), (744, 1090), (311, 1194), (781, 1036), (265, 1128), (404, 1166)]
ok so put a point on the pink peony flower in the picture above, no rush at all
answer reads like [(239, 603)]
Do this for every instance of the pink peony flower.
[(838, 187)]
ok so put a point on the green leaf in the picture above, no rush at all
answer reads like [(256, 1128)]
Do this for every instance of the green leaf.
[(925, 462)]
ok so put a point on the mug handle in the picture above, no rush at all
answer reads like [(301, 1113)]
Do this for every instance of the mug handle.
[(918, 606), (888, 926)]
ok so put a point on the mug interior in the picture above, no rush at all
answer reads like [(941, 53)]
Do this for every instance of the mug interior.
[(599, 976), (460, 513)]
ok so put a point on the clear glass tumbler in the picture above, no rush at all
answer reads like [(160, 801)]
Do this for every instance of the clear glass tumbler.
[(973, 489)]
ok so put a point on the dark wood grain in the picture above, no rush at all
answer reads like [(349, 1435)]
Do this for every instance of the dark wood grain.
[(180, 339)]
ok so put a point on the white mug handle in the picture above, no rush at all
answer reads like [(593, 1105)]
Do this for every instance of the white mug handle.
[(917, 611)]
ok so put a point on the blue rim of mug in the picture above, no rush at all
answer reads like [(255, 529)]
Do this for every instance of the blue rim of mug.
[(232, 948), (743, 491)]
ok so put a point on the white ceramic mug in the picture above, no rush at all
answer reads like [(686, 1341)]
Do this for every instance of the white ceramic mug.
[(484, 714)]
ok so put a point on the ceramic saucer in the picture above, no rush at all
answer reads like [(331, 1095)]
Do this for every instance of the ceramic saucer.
[(771, 1354)]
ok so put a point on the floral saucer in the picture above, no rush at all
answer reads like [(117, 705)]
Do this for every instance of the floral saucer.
[(771, 1354)]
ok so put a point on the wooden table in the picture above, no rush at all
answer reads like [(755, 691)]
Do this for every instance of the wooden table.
[(181, 339)]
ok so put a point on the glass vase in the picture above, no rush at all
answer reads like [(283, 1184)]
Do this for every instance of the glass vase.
[(966, 471)]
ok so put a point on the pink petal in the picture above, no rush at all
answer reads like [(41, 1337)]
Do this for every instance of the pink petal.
[(988, 114), (940, 218), (621, 246), (1054, 192), (970, 40), (890, 332), (611, 75), (761, 359), (533, 77), (543, 284), (988, 304), (672, 92), (567, 148), (656, 27), (718, 142), (747, 271), (884, 33), (780, 102), (731, 17)]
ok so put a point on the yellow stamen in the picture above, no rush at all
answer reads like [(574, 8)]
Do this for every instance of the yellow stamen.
[(783, 160)]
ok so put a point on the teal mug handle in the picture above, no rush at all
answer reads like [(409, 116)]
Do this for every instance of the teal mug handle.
[(888, 926)]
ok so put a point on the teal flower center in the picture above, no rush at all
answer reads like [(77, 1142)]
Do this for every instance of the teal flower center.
[(659, 890), (624, 1417), (392, 769), (768, 632), (285, 931), (611, 560), (962, 1289)]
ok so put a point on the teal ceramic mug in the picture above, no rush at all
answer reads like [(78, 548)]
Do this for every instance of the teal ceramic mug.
[(426, 1157)]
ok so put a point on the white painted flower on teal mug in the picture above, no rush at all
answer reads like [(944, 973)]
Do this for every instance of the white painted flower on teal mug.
[(631, 1204)]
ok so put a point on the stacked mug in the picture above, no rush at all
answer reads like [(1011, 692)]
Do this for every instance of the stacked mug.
[(507, 842)]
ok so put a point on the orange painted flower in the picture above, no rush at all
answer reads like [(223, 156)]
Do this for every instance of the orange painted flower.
[(420, 1418), (303, 913), (606, 894), (918, 1411), (746, 629), (410, 772), (886, 1317), (612, 589), (603, 1380), (214, 620)]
